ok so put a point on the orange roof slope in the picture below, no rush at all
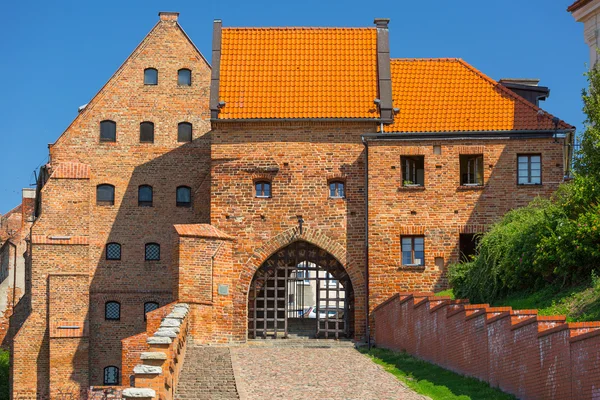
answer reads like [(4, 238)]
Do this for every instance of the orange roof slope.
[(445, 95), (298, 73)]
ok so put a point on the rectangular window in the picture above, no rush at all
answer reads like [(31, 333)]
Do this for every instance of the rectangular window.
[(471, 170), (413, 250), (529, 169), (413, 170)]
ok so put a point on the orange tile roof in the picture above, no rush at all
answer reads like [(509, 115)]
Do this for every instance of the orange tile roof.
[(298, 73), (436, 95)]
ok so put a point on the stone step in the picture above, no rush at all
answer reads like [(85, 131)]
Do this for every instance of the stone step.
[(207, 374)]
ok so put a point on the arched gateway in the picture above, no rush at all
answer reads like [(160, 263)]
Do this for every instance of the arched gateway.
[(301, 290)]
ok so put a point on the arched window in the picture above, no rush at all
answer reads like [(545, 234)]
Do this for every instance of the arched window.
[(112, 311), (150, 76), (184, 132), (184, 196), (337, 189), (263, 188), (184, 77), (145, 196), (108, 131), (113, 251), (105, 195), (147, 132), (152, 252), (149, 306), (111, 375)]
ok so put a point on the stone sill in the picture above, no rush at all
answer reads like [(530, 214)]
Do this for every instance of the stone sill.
[(417, 188), (417, 268), (526, 186)]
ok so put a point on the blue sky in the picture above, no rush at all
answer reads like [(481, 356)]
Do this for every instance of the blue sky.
[(55, 55)]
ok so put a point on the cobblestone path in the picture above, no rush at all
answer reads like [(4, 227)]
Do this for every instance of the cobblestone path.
[(293, 372)]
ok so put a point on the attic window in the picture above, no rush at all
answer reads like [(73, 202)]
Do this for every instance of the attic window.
[(184, 132), (108, 131), (150, 76), (184, 77)]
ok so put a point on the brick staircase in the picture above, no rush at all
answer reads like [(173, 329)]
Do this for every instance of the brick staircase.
[(207, 374)]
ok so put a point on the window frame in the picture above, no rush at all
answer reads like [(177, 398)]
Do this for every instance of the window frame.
[(529, 156), (146, 251), (104, 380), (412, 250), (145, 203), (414, 159), (105, 203), (467, 158), (150, 302), (337, 182), (150, 123), (181, 203), (106, 309), (190, 80), (263, 182), (150, 69), (106, 251), (108, 122), (181, 124)]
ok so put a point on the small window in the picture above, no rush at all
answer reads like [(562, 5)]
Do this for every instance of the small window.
[(113, 251), (149, 306), (413, 250), (105, 195), (413, 171), (112, 311), (336, 190), (145, 196), (152, 252), (147, 132), (108, 131), (530, 169), (184, 77), (184, 196), (111, 375), (263, 189), (471, 170), (150, 76), (184, 132), (468, 246)]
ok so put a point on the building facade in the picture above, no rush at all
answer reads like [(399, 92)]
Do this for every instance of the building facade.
[(300, 154)]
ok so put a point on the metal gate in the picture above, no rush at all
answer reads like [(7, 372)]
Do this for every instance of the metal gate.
[(300, 290)]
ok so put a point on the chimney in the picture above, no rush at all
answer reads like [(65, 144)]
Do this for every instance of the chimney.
[(168, 16), (216, 69), (529, 89), (28, 206), (386, 109)]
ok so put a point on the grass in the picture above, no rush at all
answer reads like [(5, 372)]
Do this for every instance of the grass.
[(431, 380), (578, 303), (4, 374)]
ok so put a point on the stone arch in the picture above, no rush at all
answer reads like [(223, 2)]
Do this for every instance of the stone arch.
[(310, 235)]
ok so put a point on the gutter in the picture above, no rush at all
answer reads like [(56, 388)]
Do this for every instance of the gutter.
[(489, 135), (366, 194)]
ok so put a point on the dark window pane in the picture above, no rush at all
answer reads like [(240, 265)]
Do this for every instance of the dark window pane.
[(112, 310), (184, 77), (111, 376), (147, 132), (108, 131), (184, 132), (113, 251), (149, 306), (184, 196), (150, 76), (105, 195), (263, 189), (145, 196), (413, 170), (152, 252)]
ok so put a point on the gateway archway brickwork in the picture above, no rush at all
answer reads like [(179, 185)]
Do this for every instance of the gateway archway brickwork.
[(207, 243)]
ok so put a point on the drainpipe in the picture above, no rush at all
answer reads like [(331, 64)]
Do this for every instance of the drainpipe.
[(367, 326)]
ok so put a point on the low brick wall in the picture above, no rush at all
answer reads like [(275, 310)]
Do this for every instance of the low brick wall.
[(518, 351)]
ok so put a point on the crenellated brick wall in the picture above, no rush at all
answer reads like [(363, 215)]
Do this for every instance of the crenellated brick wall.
[(518, 351)]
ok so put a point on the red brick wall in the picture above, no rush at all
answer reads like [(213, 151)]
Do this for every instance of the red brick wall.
[(443, 209), (524, 354)]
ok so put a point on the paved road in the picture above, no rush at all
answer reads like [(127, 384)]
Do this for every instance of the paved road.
[(313, 373)]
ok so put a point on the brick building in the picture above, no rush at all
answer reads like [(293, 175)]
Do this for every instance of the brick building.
[(226, 186)]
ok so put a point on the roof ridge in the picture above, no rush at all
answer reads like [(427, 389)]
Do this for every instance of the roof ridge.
[(279, 28), (509, 92), (453, 59)]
